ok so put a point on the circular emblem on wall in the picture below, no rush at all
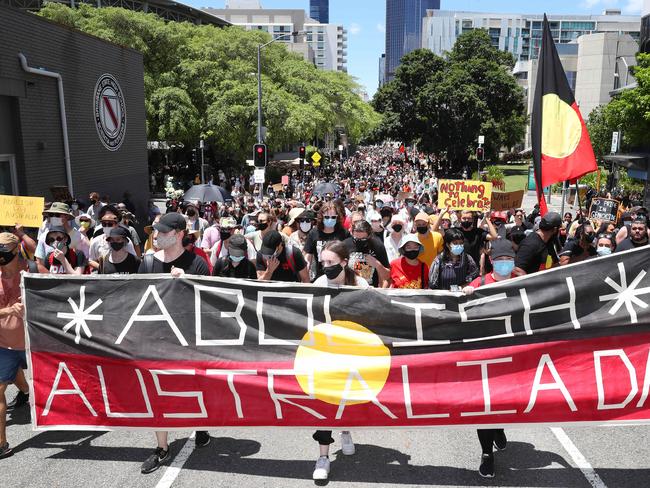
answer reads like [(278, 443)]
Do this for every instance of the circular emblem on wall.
[(110, 112)]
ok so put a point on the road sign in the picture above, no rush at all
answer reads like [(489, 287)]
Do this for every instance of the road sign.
[(258, 175), (615, 139), (340, 147), (316, 157), (481, 139)]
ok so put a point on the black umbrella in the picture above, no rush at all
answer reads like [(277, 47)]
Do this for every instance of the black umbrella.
[(207, 193), (325, 188)]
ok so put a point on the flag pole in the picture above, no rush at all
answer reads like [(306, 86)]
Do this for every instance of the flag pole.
[(578, 197)]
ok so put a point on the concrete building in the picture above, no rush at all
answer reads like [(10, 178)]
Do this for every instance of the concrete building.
[(520, 34), (91, 139), (325, 45), (382, 70), (645, 28), (319, 10), (404, 29)]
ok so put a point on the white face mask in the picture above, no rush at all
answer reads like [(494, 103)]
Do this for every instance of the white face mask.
[(56, 221), (305, 226)]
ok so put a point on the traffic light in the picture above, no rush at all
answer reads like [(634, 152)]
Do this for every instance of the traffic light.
[(480, 154), (302, 152), (259, 155)]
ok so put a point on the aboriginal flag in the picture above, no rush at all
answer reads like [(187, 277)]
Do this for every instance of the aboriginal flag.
[(561, 146)]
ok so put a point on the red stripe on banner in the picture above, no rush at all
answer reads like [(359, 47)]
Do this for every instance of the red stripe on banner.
[(595, 380)]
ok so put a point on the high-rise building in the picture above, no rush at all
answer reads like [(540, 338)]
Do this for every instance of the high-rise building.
[(382, 70), (404, 29), (319, 10), (645, 28)]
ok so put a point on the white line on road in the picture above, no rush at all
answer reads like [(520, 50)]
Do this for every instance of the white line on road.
[(580, 461), (174, 469)]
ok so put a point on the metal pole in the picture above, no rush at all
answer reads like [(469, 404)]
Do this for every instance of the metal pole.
[(259, 94), (563, 198), (202, 165)]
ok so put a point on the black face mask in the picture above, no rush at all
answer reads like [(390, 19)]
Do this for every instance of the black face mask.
[(187, 241), (466, 225), (590, 238), (332, 272), (191, 212), (6, 257), (423, 229), (225, 235), (116, 246), (397, 228), (263, 226), (361, 245), (412, 254)]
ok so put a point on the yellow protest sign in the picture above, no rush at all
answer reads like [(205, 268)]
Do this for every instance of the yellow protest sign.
[(464, 195), (27, 211)]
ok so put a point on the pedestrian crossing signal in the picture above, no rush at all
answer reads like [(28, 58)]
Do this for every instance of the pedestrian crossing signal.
[(480, 154), (302, 152), (259, 155)]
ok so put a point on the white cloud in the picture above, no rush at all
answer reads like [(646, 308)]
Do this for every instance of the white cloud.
[(354, 28), (633, 6), (381, 28), (628, 6)]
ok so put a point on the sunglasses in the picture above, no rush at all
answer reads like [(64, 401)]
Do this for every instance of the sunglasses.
[(52, 239), (109, 223)]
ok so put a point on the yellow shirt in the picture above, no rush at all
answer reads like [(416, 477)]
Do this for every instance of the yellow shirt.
[(433, 243)]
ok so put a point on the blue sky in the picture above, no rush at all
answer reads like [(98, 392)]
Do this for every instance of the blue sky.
[(365, 21)]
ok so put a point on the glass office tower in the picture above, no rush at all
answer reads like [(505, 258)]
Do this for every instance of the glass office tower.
[(320, 10)]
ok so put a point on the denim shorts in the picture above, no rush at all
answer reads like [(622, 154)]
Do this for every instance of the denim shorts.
[(10, 361)]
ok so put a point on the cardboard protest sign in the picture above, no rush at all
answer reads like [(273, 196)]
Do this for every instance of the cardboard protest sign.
[(464, 195), (285, 180), (27, 211), (604, 209), (507, 200)]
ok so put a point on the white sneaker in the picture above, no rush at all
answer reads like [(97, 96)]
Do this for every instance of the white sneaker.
[(322, 468), (347, 446)]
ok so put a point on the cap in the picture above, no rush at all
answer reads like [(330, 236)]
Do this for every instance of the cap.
[(307, 215), (108, 208), (8, 241), (499, 216), (237, 245), (422, 216), (409, 238), (120, 231), (294, 213), (550, 221), (270, 242), (502, 248), (169, 222), (373, 216), (227, 223), (58, 208), (57, 229)]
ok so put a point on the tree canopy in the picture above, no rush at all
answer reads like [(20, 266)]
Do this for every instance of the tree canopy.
[(444, 104), (200, 82)]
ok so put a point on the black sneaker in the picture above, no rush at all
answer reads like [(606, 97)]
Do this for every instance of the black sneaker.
[(6, 451), (20, 400), (486, 469), (202, 438), (154, 461), (500, 440)]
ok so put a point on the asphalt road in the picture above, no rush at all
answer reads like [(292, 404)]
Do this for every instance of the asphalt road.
[(612, 456)]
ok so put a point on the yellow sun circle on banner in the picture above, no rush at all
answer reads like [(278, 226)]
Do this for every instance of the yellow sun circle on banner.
[(561, 127), (342, 359)]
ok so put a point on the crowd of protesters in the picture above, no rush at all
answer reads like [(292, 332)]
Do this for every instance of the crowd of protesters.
[(368, 221)]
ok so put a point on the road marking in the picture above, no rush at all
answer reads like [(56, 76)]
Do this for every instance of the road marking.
[(174, 469), (580, 461)]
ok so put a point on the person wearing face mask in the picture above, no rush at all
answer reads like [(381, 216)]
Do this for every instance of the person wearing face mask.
[(128, 220), (432, 242), (118, 260), (580, 247), (336, 272), (189, 243), (395, 231), (638, 236), (171, 258), (95, 206), (329, 227), (538, 250), (276, 261), (305, 222), (194, 220), (12, 333), (408, 271), (60, 258), (266, 223), (475, 236), (292, 221), (453, 268), (502, 257), (109, 218), (375, 220), (58, 215), (236, 263), (605, 245), (368, 256)]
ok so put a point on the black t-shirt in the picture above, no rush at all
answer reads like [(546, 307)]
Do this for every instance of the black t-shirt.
[(572, 249), (374, 247), (316, 240), (225, 268), (628, 244), (130, 265), (474, 241), (289, 268), (533, 252), (188, 261)]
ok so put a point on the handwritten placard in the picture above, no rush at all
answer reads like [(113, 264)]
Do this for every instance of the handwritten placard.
[(464, 195), (507, 200), (604, 209), (27, 211)]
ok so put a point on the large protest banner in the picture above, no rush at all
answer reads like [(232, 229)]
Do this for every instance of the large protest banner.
[(464, 195), (568, 345)]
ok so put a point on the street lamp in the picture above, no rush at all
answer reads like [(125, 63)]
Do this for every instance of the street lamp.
[(259, 88)]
